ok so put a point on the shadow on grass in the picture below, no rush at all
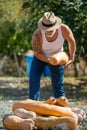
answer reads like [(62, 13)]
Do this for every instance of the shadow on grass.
[(78, 91), (72, 91)]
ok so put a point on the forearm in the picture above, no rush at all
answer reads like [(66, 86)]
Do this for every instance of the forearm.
[(41, 57), (72, 50)]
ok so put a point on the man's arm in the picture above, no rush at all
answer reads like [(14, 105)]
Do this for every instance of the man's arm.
[(68, 35), (37, 46)]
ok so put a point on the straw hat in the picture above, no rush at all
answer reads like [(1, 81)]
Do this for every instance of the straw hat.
[(49, 21)]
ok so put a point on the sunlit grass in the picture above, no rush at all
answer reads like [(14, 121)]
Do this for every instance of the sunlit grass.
[(75, 80)]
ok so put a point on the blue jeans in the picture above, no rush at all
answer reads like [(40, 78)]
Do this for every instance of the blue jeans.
[(57, 76)]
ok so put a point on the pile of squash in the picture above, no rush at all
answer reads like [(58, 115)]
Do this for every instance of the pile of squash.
[(30, 114)]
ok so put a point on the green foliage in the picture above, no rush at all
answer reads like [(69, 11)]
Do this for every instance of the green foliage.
[(18, 21), (81, 30), (12, 28)]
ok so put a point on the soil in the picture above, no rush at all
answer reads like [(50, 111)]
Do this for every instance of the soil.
[(12, 89)]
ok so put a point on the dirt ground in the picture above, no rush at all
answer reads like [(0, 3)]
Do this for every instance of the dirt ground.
[(12, 89)]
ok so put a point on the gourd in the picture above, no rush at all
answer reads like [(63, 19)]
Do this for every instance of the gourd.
[(51, 100), (20, 112), (43, 108), (80, 114), (51, 121), (13, 122), (60, 58), (61, 101)]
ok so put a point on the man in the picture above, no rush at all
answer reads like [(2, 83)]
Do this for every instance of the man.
[(47, 40)]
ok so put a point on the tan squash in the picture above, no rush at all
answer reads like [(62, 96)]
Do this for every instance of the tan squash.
[(20, 112), (80, 114), (62, 101), (42, 108), (51, 101), (13, 122), (60, 58), (51, 121)]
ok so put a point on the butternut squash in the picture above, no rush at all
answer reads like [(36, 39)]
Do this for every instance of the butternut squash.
[(13, 122), (60, 58), (51, 121), (51, 101), (80, 114), (42, 108), (61, 101), (20, 112)]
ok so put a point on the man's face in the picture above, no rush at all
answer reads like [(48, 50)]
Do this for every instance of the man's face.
[(50, 33)]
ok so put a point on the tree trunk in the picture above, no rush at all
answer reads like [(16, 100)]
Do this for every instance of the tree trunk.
[(17, 64), (2, 64)]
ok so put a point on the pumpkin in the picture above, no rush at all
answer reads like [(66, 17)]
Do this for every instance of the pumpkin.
[(51, 121), (60, 58), (13, 122), (42, 108), (20, 112)]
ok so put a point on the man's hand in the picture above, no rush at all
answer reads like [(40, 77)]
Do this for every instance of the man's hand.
[(52, 61), (68, 63)]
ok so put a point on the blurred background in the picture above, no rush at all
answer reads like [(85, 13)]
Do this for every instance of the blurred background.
[(18, 21)]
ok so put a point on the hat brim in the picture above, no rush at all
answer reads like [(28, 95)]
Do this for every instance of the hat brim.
[(56, 26)]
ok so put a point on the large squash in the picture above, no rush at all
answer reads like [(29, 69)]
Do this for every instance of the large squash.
[(43, 108), (13, 122), (60, 58), (22, 113), (80, 114), (51, 121)]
